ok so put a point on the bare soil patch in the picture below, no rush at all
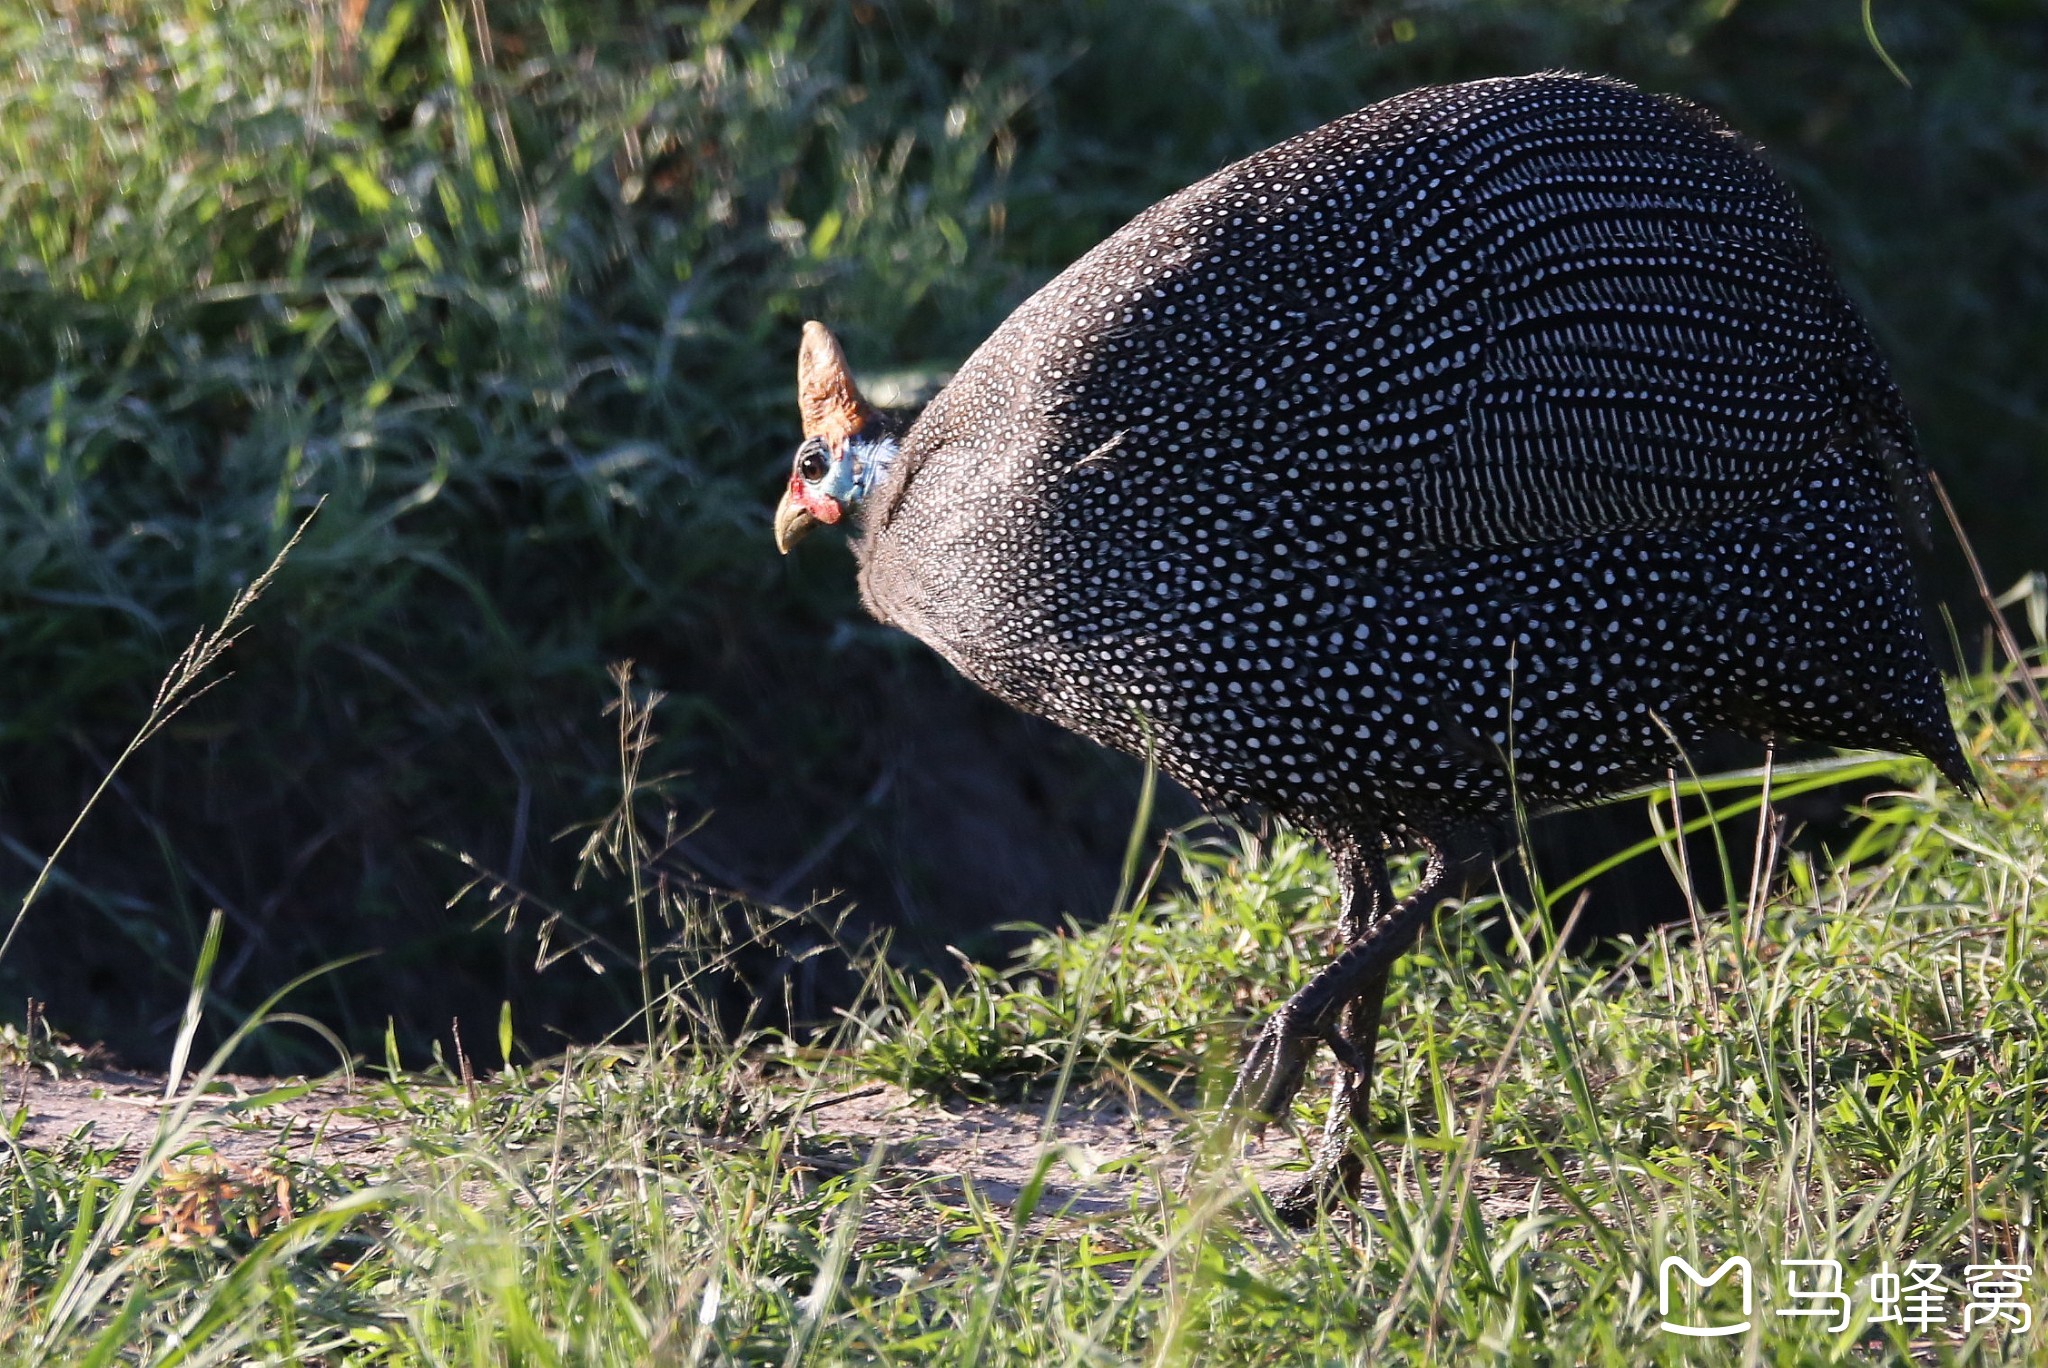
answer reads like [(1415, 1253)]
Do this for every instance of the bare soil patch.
[(1108, 1151), (1105, 1152), (244, 1120)]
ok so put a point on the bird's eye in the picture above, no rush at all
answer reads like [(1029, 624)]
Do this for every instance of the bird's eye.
[(811, 465)]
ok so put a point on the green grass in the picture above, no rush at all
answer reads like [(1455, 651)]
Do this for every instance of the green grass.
[(1849, 1067)]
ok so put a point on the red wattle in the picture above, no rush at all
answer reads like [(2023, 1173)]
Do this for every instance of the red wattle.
[(823, 507)]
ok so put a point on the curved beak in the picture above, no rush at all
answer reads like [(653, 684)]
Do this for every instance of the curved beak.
[(793, 522)]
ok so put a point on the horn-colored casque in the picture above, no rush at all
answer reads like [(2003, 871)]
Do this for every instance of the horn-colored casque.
[(831, 403)]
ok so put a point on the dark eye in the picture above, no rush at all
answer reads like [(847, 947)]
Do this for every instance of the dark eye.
[(811, 464)]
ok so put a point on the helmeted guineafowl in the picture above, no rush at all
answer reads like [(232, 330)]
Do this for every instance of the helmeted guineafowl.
[(1488, 445)]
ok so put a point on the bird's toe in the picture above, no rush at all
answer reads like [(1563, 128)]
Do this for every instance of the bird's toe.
[(1272, 1072)]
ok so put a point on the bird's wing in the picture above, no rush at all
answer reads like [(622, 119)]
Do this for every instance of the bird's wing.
[(1650, 385), (1646, 335)]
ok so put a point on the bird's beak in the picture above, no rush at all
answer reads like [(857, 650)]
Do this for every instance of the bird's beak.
[(793, 522)]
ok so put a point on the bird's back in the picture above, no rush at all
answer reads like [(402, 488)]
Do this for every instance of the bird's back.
[(1520, 417)]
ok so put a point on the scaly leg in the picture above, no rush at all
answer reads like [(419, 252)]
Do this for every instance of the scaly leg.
[(1341, 1005), (1273, 1069), (1337, 1165)]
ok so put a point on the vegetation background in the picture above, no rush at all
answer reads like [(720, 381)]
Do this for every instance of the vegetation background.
[(514, 288)]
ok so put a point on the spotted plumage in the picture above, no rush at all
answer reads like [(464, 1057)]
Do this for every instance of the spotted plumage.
[(1490, 444)]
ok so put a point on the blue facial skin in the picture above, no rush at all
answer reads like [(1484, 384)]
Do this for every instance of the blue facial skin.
[(840, 482), (852, 471)]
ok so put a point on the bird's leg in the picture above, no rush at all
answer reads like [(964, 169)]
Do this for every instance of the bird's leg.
[(1368, 896), (1341, 1004), (1337, 1165), (1273, 1069)]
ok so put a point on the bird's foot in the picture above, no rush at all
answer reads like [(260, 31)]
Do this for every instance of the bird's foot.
[(1338, 1170), (1277, 1062), (1273, 1072), (1300, 1202)]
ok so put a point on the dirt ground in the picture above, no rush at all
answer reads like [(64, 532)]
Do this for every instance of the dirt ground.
[(241, 1119), (1108, 1152)]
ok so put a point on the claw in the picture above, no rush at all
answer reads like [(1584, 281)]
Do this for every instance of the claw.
[(1276, 1064), (1271, 1074)]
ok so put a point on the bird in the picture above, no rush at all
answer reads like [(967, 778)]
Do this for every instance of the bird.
[(1481, 450)]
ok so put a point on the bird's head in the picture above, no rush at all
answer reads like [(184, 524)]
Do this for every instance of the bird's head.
[(847, 444)]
